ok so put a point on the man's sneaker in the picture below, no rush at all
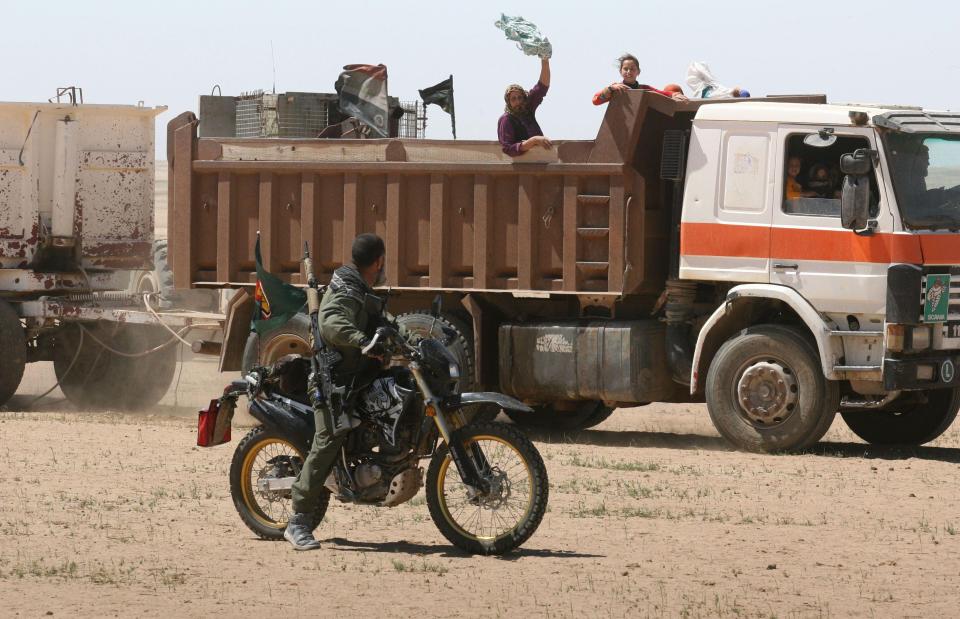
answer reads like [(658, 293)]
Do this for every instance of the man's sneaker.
[(300, 533)]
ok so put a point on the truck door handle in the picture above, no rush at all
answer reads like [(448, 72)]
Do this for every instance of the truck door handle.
[(782, 266)]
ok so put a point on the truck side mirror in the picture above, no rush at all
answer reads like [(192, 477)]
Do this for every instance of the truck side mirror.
[(855, 202), (855, 197), (857, 163)]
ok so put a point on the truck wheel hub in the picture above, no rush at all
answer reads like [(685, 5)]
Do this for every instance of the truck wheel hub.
[(767, 393)]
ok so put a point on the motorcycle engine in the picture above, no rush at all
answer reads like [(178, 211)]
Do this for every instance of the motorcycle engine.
[(367, 474)]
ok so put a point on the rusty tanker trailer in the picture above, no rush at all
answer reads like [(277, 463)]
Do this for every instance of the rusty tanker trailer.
[(551, 265), (77, 252)]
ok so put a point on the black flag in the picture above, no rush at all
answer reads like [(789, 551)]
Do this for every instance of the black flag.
[(442, 94)]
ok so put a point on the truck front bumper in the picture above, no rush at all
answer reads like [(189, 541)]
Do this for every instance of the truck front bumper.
[(933, 371)]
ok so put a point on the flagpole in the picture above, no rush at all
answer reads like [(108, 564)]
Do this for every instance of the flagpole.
[(453, 110)]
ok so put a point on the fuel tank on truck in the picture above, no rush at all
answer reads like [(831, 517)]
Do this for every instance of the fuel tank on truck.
[(614, 361)]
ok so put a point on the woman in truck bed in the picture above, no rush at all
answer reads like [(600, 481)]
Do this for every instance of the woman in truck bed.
[(518, 130)]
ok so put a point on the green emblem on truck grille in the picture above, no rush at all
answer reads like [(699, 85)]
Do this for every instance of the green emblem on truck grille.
[(937, 298)]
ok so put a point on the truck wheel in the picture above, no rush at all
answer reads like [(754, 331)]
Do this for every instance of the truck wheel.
[(909, 423), (100, 379), (291, 338), (461, 348), (13, 343), (548, 417), (766, 391)]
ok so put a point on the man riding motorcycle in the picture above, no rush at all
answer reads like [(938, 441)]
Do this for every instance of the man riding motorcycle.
[(349, 315)]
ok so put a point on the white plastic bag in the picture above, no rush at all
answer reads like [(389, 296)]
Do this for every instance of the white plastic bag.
[(704, 84)]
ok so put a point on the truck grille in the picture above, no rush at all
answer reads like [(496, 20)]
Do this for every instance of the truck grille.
[(954, 307)]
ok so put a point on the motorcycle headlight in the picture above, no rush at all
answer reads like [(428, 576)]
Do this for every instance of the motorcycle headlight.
[(454, 370)]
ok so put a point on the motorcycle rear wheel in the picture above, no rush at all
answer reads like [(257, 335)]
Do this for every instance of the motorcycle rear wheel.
[(261, 454), (506, 517)]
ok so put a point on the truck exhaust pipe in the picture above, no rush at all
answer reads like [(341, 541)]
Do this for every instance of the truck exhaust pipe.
[(680, 298)]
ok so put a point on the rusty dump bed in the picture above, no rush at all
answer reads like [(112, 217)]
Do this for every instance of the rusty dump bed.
[(587, 217)]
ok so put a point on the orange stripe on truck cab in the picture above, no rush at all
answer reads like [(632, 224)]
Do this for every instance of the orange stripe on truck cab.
[(737, 241), (940, 248)]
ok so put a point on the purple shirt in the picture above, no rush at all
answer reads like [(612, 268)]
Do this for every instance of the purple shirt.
[(508, 135)]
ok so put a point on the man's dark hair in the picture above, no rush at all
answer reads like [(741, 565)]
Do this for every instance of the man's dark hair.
[(367, 248)]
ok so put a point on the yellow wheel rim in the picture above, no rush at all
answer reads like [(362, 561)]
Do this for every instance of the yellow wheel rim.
[(487, 519), (282, 345), (267, 456)]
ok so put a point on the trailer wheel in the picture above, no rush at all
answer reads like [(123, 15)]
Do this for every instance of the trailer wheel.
[(547, 417), (13, 343), (907, 423), (766, 391), (293, 337), (461, 348), (101, 379)]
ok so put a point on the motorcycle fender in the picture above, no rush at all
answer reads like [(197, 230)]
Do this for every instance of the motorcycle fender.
[(492, 397), (278, 416)]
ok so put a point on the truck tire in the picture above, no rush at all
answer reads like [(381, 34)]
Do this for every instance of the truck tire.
[(461, 348), (13, 343), (100, 379), (766, 391), (160, 279), (911, 423), (547, 417), (293, 337)]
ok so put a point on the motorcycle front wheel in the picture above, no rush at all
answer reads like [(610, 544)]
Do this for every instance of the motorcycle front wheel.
[(260, 473), (502, 519)]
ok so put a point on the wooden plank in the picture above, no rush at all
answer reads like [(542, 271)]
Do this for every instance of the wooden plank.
[(481, 229), (617, 224), (351, 212), (266, 220), (393, 239), (308, 216), (370, 167), (437, 262), (226, 258), (180, 230), (526, 231), (570, 236)]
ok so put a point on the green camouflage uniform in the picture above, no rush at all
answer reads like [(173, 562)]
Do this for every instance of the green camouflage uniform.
[(349, 315)]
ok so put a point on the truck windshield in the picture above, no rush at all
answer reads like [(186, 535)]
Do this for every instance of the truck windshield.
[(926, 178)]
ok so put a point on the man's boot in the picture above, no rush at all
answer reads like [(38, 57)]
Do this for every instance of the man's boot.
[(299, 532)]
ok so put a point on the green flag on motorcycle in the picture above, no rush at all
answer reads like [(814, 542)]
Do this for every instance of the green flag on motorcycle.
[(277, 301)]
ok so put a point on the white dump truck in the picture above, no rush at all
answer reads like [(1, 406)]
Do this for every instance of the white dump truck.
[(77, 253)]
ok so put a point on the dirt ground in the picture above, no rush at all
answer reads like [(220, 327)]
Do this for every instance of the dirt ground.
[(650, 514)]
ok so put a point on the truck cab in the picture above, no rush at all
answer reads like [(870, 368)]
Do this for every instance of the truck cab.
[(843, 221)]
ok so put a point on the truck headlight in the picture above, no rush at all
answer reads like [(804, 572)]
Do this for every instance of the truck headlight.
[(894, 339)]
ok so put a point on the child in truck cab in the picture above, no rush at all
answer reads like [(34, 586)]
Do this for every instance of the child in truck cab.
[(794, 188), (820, 183), (629, 70), (518, 130)]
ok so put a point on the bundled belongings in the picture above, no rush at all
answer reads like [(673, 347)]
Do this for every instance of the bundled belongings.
[(706, 86), (526, 35)]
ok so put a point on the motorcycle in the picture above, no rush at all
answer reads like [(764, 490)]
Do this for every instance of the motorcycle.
[(486, 484)]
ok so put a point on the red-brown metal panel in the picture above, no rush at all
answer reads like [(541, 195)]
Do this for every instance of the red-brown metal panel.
[(587, 216)]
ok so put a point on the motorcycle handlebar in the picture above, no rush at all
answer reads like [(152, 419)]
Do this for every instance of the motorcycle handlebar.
[(388, 335)]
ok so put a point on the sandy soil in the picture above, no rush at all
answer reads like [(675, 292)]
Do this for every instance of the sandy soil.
[(651, 514)]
